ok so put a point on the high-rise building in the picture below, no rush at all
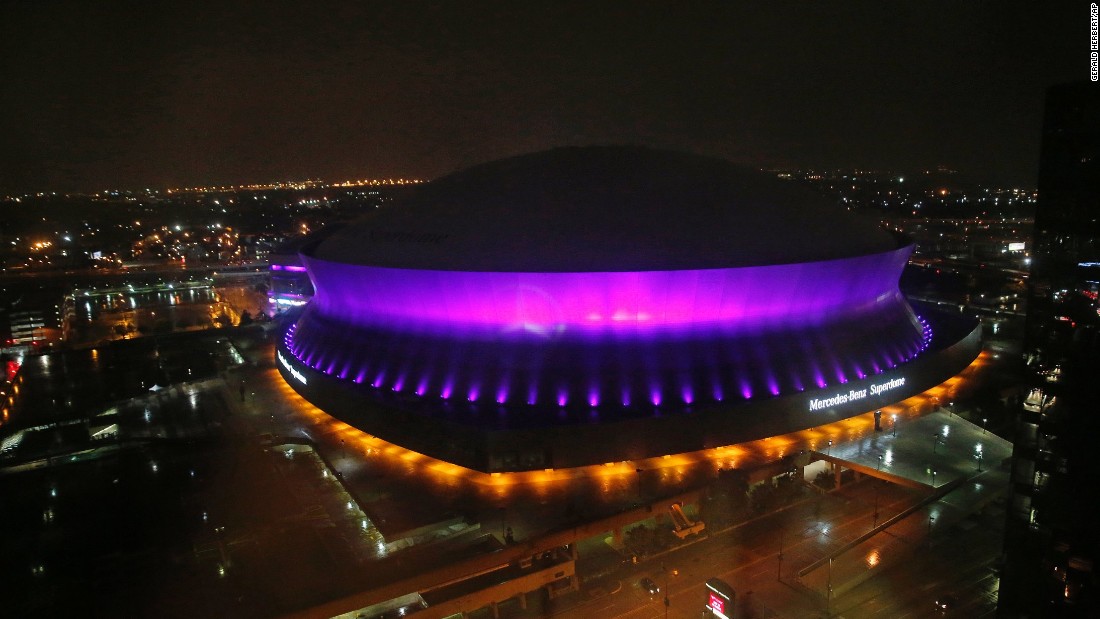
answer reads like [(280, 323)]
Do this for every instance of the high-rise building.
[(1053, 520)]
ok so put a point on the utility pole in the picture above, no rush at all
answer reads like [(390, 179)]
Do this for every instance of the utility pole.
[(779, 572)]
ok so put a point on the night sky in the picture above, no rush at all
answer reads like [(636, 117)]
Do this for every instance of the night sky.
[(113, 94)]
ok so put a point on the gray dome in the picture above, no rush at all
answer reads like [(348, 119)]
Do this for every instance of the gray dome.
[(610, 208)]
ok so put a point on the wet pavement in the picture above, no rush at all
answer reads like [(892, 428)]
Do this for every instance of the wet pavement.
[(307, 517)]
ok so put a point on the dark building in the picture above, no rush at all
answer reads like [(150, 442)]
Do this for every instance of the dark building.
[(1054, 511)]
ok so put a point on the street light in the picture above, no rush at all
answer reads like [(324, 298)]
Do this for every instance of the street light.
[(874, 520), (983, 424), (894, 426), (931, 519), (933, 478), (663, 569), (779, 572), (829, 449)]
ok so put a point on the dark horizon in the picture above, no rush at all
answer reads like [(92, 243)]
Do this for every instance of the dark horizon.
[(140, 96)]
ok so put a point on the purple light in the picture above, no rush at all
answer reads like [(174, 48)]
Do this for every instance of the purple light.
[(283, 267), (773, 385), (759, 331), (547, 304), (655, 398)]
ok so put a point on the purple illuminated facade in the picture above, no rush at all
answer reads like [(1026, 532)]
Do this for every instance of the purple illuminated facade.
[(607, 340), (625, 303), (512, 366)]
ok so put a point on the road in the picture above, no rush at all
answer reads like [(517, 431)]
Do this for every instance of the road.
[(958, 560), (912, 572)]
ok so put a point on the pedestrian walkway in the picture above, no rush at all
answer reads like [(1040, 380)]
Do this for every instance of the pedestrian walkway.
[(934, 450), (960, 489)]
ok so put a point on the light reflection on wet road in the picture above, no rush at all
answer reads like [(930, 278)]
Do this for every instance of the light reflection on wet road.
[(537, 500)]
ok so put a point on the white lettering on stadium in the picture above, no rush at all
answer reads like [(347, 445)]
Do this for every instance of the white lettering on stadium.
[(293, 372), (854, 395)]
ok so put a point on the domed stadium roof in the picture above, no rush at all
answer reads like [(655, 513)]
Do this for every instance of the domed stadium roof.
[(613, 208)]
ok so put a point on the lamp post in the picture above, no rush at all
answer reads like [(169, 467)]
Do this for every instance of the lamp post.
[(894, 425), (984, 420), (829, 449), (663, 569), (874, 517), (779, 571), (933, 478), (931, 519), (979, 462)]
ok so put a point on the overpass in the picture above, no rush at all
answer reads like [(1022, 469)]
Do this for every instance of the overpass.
[(926, 452), (547, 560)]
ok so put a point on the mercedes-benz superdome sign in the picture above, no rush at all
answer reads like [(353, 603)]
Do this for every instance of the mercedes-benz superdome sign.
[(854, 395)]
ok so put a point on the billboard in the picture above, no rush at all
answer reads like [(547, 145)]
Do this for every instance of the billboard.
[(720, 598)]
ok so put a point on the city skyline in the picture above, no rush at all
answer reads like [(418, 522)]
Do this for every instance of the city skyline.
[(169, 97)]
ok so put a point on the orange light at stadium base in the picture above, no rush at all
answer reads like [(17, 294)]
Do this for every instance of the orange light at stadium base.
[(669, 470)]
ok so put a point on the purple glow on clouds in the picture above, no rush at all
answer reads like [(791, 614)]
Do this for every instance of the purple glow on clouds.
[(547, 304)]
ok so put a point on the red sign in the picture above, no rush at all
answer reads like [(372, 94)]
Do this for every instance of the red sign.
[(716, 604)]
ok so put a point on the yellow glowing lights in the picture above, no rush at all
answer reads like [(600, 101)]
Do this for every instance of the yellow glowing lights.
[(670, 468)]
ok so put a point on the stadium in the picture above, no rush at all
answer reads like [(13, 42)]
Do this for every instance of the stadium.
[(589, 305)]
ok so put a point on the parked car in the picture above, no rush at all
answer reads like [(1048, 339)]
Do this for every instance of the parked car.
[(648, 585)]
